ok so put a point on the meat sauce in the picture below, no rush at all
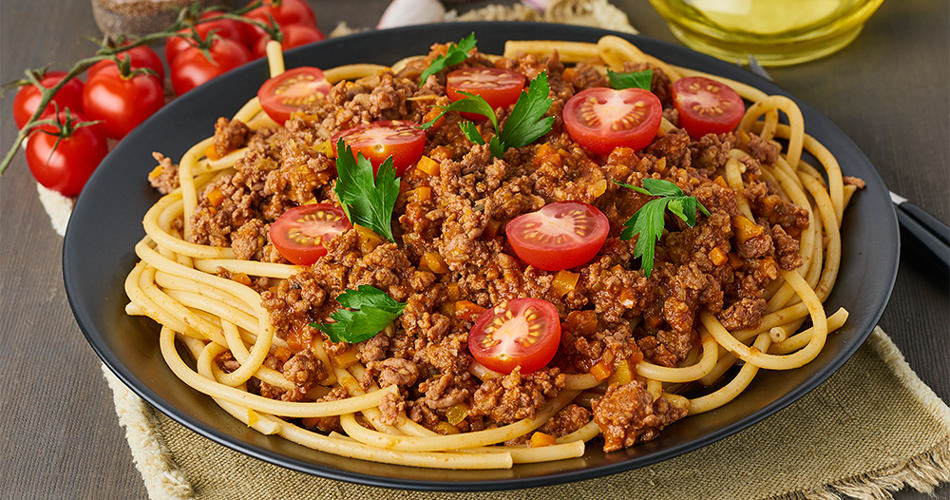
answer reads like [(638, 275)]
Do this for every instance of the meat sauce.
[(461, 216)]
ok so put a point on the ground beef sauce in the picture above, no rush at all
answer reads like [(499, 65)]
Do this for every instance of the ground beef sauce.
[(613, 309)]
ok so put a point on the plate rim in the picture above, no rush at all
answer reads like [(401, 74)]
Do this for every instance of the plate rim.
[(117, 367)]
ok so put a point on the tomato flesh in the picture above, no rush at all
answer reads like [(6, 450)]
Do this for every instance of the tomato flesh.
[(521, 332), (601, 119), (301, 233), (561, 235), (706, 106), (292, 90), (377, 141), (500, 88)]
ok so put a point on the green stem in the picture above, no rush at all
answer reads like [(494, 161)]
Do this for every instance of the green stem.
[(108, 53)]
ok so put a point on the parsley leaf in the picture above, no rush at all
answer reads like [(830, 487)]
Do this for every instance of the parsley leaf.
[(649, 222), (637, 79), (526, 121), (366, 200), (372, 312), (471, 132), (471, 104), (456, 53)]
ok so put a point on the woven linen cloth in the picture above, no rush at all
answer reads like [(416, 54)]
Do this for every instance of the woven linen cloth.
[(872, 428)]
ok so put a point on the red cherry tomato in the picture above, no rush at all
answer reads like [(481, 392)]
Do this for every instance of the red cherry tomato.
[(300, 234), (28, 97), (519, 332), (601, 119), (500, 88), (121, 103), (138, 57), (226, 28), (292, 90), (289, 12), (191, 68), (67, 168), (295, 35), (706, 106), (379, 140), (560, 236)]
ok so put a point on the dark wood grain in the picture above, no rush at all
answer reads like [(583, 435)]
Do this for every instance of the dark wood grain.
[(888, 91)]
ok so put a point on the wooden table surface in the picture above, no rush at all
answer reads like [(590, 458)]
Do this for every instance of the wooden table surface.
[(888, 91)]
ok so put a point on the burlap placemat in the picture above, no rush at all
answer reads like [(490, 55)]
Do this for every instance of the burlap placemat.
[(872, 428)]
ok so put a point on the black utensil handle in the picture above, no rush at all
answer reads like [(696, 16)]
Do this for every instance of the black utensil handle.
[(935, 225), (924, 235)]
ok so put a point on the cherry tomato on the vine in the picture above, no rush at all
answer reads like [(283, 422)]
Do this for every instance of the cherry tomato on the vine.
[(706, 106), (377, 141), (519, 332), (301, 233), (287, 13), (77, 154), (138, 57), (295, 35), (191, 68), (292, 90), (121, 103), (601, 119), (28, 97), (561, 235)]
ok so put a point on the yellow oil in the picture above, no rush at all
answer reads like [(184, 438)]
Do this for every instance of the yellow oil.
[(776, 32)]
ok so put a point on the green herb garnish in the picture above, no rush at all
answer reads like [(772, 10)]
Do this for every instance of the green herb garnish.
[(456, 53), (370, 311), (525, 123), (471, 132), (648, 222), (366, 200), (637, 79)]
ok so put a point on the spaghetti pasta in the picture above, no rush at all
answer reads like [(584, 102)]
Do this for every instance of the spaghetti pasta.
[(217, 300)]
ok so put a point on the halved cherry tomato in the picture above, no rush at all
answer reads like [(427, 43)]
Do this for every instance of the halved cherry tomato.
[(601, 119), (561, 235), (301, 233), (28, 97), (121, 103), (191, 68), (402, 140), (138, 57), (295, 35), (706, 106), (518, 332), (67, 167), (500, 88), (292, 90)]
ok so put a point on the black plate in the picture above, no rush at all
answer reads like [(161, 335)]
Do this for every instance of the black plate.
[(106, 223)]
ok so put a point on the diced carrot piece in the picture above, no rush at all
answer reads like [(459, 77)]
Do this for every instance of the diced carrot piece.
[(745, 229), (155, 172), (212, 153), (564, 282), (467, 311), (601, 370), (622, 374), (717, 256), (434, 262), (719, 180), (346, 358), (423, 193), (215, 197), (428, 165), (368, 238), (539, 439), (456, 413), (444, 428)]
